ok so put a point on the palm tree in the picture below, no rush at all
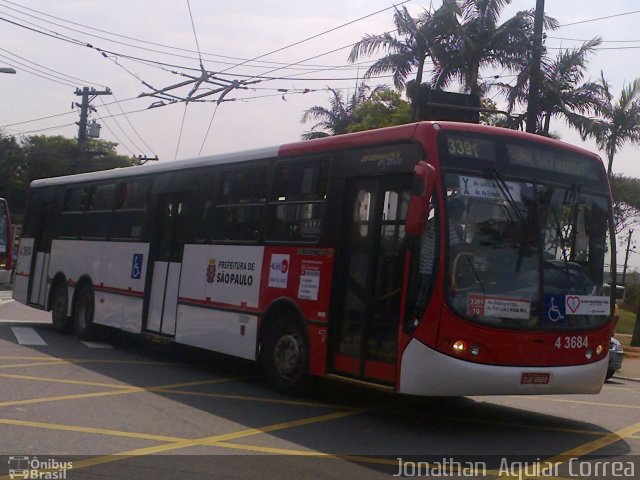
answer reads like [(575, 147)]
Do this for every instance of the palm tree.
[(336, 119), (618, 121), (417, 39), (561, 91), (479, 42)]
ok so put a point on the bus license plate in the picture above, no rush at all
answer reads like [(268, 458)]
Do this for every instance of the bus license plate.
[(535, 378)]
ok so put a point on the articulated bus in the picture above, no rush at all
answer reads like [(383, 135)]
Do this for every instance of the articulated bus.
[(435, 258), (6, 243)]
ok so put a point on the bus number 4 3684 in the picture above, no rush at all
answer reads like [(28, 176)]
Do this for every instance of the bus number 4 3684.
[(568, 343)]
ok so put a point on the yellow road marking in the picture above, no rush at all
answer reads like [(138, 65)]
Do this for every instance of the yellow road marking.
[(33, 364), (208, 441), (58, 380), (585, 449), (122, 391), (98, 431), (599, 443), (307, 453), (525, 426), (579, 402), (91, 360), (277, 401)]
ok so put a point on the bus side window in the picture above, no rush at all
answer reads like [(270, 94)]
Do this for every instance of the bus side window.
[(99, 204), (130, 209), (240, 210), (297, 201), (73, 205)]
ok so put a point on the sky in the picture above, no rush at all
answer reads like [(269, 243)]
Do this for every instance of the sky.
[(52, 64), (288, 52)]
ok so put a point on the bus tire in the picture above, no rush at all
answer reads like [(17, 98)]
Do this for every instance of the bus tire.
[(83, 310), (59, 308), (285, 357)]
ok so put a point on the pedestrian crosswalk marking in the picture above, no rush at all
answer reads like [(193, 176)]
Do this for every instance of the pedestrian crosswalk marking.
[(27, 336)]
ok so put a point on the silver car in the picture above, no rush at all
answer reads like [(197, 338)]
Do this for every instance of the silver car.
[(616, 353)]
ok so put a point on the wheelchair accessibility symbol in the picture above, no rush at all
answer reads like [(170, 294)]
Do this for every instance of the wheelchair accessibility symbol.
[(136, 266), (554, 308)]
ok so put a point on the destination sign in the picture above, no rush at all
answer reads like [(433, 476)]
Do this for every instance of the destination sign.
[(568, 164)]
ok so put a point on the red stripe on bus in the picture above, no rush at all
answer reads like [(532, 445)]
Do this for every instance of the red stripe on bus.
[(227, 306), (119, 291)]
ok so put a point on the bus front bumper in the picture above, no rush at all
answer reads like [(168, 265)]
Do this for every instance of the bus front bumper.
[(425, 371)]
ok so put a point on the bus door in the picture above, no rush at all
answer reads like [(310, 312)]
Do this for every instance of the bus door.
[(370, 278), (166, 251), (40, 255)]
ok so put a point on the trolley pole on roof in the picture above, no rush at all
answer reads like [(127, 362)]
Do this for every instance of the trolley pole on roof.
[(87, 95)]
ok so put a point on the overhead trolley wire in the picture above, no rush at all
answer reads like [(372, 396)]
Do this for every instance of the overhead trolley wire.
[(345, 67)]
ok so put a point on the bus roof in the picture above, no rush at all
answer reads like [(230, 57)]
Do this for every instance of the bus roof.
[(401, 133)]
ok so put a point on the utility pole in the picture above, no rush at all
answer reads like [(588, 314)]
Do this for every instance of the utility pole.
[(87, 94), (533, 101)]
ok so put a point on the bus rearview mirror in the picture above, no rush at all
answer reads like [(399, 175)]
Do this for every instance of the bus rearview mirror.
[(417, 215), (418, 211)]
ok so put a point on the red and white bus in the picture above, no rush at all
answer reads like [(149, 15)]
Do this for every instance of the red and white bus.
[(6, 243), (433, 258)]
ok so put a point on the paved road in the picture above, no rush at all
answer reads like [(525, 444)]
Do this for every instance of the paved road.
[(119, 409)]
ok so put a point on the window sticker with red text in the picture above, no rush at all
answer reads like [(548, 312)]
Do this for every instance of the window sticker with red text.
[(505, 307)]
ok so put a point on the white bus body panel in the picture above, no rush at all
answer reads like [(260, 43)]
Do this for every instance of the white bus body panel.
[(156, 297), (225, 281), (23, 270), (425, 371), (163, 301), (170, 309), (118, 295), (39, 286), (225, 332)]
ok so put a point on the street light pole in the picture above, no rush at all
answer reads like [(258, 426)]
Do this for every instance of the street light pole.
[(7, 70)]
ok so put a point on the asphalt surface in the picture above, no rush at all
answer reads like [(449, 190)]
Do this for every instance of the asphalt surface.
[(122, 409)]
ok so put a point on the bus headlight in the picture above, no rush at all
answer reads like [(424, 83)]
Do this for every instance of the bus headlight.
[(459, 347)]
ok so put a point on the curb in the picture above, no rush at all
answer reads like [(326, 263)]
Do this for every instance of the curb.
[(628, 379)]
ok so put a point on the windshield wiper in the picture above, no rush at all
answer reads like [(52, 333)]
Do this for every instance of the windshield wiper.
[(504, 189)]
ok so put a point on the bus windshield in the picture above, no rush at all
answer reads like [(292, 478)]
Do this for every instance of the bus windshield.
[(526, 254)]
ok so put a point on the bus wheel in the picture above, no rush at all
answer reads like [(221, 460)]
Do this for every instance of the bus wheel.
[(83, 314), (286, 356), (59, 306)]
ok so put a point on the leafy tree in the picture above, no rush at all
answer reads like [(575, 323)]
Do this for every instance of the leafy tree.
[(618, 121), (626, 204), (480, 41), (336, 119), (41, 156), (417, 39), (562, 93), (383, 109), (12, 169)]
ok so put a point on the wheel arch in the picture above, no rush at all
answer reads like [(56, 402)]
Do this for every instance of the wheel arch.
[(278, 308), (58, 279), (81, 283)]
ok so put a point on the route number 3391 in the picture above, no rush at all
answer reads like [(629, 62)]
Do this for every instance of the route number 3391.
[(569, 343)]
